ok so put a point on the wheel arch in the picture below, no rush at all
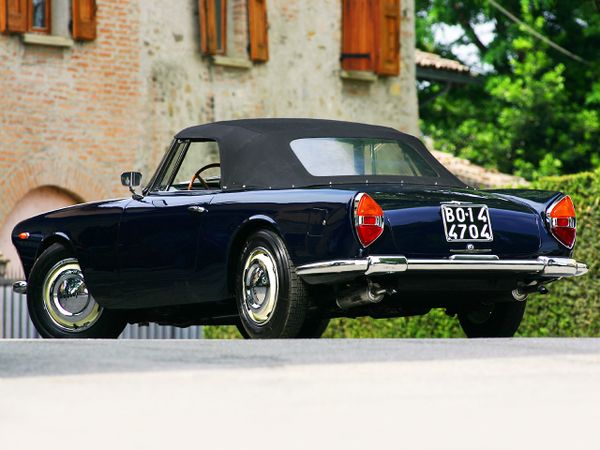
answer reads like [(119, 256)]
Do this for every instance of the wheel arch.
[(55, 238), (248, 227)]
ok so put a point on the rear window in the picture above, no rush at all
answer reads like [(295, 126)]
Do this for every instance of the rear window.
[(360, 156)]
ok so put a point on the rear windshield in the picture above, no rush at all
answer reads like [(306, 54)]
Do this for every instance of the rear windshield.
[(357, 156)]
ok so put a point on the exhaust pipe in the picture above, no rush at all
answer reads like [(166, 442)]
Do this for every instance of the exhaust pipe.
[(520, 294), (369, 294)]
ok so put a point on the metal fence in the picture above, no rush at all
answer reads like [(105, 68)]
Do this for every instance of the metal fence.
[(15, 322)]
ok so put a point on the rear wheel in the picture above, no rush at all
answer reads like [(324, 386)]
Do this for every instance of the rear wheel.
[(59, 303), (494, 320), (272, 300), (313, 328)]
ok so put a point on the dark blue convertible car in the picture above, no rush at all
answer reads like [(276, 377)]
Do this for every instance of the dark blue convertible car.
[(279, 225)]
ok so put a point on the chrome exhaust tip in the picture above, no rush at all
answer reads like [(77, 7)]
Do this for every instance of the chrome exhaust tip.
[(519, 295), (368, 294)]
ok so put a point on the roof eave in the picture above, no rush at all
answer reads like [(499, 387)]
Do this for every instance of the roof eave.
[(447, 76)]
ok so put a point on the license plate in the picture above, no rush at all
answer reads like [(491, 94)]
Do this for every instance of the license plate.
[(467, 223)]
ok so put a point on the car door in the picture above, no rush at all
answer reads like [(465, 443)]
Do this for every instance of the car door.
[(161, 234)]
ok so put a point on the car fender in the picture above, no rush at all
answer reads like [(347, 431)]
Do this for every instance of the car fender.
[(247, 227)]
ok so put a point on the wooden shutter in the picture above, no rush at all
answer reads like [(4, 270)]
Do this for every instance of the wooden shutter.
[(213, 26), (388, 20), (13, 16), (3, 16), (84, 20), (357, 35), (258, 30)]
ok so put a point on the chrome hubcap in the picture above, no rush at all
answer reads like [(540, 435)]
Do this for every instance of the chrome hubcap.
[(66, 298), (260, 286)]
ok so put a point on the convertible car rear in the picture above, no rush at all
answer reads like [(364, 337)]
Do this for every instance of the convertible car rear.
[(279, 225)]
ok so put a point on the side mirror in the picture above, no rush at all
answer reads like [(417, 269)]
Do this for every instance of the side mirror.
[(131, 179)]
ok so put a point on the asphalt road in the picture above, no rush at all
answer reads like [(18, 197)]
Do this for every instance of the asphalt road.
[(320, 394)]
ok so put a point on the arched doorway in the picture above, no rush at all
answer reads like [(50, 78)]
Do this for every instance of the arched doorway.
[(36, 201)]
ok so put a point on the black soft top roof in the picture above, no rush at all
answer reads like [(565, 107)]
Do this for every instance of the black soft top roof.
[(256, 153)]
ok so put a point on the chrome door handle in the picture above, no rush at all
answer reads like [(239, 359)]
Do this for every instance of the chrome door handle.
[(197, 209)]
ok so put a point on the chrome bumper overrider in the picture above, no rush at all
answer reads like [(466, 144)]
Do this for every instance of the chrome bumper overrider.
[(381, 265), (20, 287)]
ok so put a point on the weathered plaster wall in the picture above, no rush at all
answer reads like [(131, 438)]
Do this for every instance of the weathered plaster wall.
[(301, 78)]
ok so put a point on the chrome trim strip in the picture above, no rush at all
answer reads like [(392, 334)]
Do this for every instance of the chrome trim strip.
[(338, 266), (20, 287), (508, 265), (475, 257), (386, 264), (377, 265)]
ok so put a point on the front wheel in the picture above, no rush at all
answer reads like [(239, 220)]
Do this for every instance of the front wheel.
[(271, 299), (59, 303), (494, 320)]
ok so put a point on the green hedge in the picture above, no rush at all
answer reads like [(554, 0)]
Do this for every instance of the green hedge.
[(571, 309)]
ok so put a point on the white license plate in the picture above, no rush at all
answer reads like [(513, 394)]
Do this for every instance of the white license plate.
[(467, 223)]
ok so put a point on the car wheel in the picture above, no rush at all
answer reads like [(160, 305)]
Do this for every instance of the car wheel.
[(271, 299), (313, 328), (59, 303), (495, 320)]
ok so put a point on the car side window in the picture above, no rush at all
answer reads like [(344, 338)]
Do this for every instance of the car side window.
[(199, 168), (193, 166)]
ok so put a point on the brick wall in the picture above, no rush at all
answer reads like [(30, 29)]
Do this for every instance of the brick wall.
[(71, 117)]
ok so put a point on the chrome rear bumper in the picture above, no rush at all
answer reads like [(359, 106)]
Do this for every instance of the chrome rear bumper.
[(381, 265)]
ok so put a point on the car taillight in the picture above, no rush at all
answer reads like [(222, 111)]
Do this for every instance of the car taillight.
[(368, 219), (562, 221)]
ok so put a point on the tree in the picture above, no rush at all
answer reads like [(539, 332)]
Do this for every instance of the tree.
[(538, 110)]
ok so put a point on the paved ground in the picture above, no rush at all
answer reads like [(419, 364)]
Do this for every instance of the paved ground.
[(368, 394)]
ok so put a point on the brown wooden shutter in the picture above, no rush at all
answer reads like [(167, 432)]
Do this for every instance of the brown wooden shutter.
[(258, 29), (213, 26), (2, 16), (388, 21), (13, 16), (357, 35), (84, 20)]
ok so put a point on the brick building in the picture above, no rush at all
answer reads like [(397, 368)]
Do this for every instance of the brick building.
[(91, 88)]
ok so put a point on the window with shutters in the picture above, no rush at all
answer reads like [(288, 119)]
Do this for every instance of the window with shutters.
[(213, 26), (371, 36), (234, 32), (38, 16), (57, 18)]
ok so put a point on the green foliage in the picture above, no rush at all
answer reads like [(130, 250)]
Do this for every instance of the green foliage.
[(537, 112), (571, 309)]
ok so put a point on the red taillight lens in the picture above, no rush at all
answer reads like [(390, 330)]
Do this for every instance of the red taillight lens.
[(562, 220), (368, 219)]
